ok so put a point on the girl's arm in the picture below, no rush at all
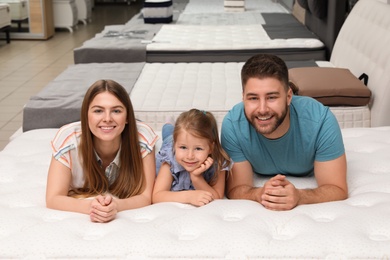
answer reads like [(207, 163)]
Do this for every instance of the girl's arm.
[(145, 198), (162, 191), (58, 183), (162, 186), (197, 178), (217, 190)]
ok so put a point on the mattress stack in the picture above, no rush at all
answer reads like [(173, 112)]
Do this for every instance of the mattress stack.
[(234, 5), (157, 11)]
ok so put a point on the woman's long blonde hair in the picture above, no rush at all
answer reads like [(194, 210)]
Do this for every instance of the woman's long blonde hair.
[(202, 124), (130, 180)]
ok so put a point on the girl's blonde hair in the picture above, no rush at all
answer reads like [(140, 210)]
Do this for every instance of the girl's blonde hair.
[(131, 180), (202, 124)]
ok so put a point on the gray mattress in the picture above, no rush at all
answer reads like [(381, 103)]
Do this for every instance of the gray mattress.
[(59, 102), (117, 44)]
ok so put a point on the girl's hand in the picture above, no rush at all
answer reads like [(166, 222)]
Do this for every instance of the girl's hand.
[(103, 209), (201, 198), (203, 167)]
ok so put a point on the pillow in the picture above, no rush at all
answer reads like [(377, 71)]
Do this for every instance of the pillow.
[(330, 86), (318, 8)]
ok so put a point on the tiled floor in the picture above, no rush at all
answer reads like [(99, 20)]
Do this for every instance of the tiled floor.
[(27, 66)]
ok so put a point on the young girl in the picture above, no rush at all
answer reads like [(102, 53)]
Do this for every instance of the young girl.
[(191, 164), (108, 156)]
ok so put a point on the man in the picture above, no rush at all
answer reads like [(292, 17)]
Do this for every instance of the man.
[(274, 133)]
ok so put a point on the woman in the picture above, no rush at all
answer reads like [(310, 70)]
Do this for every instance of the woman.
[(108, 157)]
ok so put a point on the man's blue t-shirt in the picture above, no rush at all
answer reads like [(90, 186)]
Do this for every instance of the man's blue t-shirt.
[(314, 135)]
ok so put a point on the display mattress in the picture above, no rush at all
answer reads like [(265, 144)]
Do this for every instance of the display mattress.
[(218, 6), (355, 228), (60, 101), (200, 43)]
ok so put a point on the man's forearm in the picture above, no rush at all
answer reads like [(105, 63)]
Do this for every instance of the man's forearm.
[(323, 193), (245, 192)]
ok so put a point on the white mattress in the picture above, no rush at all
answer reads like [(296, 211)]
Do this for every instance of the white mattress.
[(167, 89), (172, 37), (217, 6), (357, 228), (223, 37), (5, 15), (232, 18)]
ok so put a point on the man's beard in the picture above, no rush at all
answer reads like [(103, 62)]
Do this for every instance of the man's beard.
[(274, 124)]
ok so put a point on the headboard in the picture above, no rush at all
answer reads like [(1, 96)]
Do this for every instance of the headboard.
[(363, 46), (322, 17)]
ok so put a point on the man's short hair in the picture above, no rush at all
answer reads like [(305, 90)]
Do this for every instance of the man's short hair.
[(265, 66)]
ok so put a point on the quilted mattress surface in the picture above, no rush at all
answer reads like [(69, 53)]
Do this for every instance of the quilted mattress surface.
[(196, 38), (232, 18), (164, 89), (362, 46), (356, 228), (223, 37)]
